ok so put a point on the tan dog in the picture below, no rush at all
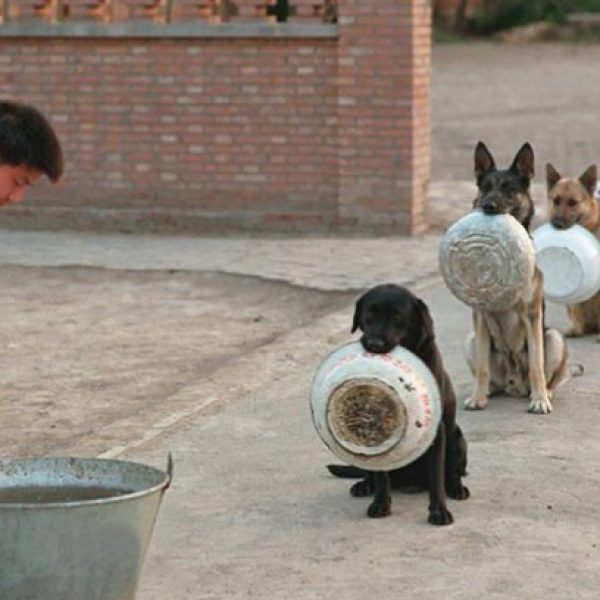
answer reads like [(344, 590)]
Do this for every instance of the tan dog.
[(512, 352), (573, 201)]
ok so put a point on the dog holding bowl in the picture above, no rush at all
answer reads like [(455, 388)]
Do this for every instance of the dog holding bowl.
[(488, 261), (574, 214), (386, 406)]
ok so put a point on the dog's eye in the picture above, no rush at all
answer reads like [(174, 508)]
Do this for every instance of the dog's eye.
[(506, 186), (572, 202), (556, 201)]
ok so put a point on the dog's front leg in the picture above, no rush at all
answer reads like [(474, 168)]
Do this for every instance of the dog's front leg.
[(382, 500), (455, 464), (438, 511), (482, 349), (540, 401)]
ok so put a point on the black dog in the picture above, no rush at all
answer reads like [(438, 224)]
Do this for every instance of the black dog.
[(389, 316)]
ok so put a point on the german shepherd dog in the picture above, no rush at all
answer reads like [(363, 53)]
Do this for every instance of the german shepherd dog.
[(573, 201), (389, 316), (512, 352)]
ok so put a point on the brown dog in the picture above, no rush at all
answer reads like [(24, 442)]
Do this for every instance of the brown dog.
[(511, 351), (573, 201)]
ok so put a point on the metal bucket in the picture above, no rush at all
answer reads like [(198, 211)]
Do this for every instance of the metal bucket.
[(76, 528)]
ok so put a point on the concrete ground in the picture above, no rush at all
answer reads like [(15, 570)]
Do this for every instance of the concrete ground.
[(505, 94), (215, 368), (134, 346)]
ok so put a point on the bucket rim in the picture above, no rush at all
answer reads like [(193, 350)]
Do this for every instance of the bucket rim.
[(163, 485)]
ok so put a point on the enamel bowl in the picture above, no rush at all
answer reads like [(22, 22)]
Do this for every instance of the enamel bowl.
[(570, 262), (375, 411), (486, 260)]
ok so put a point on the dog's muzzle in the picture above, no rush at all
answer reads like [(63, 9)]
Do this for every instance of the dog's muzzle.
[(490, 207), (375, 344), (560, 223)]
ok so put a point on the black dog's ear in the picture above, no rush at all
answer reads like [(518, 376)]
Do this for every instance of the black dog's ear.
[(358, 309), (552, 176), (484, 161), (427, 333), (589, 179), (522, 165)]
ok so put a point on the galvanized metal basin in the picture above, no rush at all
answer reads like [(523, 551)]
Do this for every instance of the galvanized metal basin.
[(76, 528)]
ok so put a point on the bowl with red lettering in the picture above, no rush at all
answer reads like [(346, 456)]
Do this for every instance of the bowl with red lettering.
[(375, 411)]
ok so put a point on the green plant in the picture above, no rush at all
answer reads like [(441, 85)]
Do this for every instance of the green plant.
[(584, 5), (503, 14)]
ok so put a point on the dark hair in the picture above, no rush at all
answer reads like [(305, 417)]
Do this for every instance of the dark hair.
[(27, 138)]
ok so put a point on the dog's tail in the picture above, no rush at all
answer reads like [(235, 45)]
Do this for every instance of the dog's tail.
[(346, 471), (576, 369), (571, 371)]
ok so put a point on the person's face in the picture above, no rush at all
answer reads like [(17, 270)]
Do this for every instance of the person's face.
[(14, 180)]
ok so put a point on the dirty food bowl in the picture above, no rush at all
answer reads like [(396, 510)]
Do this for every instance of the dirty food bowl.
[(486, 260), (570, 262), (375, 411)]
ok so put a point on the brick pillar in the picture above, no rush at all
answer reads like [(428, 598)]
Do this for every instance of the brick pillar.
[(384, 121)]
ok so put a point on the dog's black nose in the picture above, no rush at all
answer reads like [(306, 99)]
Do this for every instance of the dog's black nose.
[(559, 223), (376, 345), (490, 207)]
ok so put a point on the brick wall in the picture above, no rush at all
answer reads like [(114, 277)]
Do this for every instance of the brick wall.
[(306, 133), (421, 113), (384, 112)]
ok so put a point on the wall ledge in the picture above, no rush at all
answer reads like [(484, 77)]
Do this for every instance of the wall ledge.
[(138, 29)]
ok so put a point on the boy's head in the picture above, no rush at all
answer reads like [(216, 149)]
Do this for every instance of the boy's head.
[(29, 149)]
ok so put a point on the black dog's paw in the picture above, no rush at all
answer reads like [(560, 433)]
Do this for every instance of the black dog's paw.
[(361, 489), (440, 516), (380, 509), (458, 491)]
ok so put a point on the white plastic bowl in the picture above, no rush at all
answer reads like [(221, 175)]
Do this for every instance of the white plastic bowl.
[(375, 411), (570, 262), (486, 260)]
